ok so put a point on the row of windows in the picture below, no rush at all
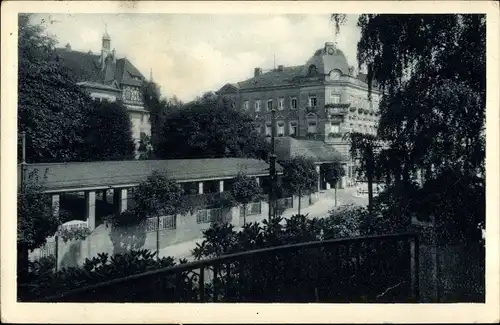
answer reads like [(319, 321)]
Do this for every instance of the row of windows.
[(293, 127), (312, 128), (293, 103)]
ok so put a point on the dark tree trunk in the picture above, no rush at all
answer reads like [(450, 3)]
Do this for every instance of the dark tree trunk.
[(22, 262), (336, 184), (300, 197), (369, 176)]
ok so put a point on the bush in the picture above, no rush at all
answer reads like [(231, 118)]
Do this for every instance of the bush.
[(43, 281)]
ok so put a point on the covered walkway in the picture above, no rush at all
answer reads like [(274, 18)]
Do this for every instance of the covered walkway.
[(92, 179)]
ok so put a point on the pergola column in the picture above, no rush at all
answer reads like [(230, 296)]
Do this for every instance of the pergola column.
[(90, 209), (120, 200), (55, 204), (200, 187), (318, 170)]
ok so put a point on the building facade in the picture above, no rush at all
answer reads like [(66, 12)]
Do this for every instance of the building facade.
[(107, 77), (322, 100)]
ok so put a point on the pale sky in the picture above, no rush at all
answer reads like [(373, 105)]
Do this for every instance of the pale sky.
[(194, 53)]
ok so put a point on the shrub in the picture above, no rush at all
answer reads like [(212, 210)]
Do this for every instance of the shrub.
[(44, 282)]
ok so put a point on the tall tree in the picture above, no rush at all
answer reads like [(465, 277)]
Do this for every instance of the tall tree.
[(210, 130), (299, 176), (244, 190), (432, 71), (109, 132), (158, 196), (35, 220), (157, 108), (334, 171), (51, 107)]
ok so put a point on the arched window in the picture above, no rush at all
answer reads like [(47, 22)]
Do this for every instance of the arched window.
[(312, 70)]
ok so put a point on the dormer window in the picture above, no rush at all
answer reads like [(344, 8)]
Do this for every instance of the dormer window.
[(312, 70)]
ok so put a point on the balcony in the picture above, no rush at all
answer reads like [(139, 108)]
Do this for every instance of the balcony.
[(361, 269), (337, 109)]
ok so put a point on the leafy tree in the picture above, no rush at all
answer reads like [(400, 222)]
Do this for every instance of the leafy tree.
[(157, 196), (157, 107), (35, 220), (208, 130), (334, 171), (51, 108), (244, 190), (109, 132), (432, 71), (207, 98), (362, 150), (300, 176)]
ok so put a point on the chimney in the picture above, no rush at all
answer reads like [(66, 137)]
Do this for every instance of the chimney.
[(257, 72), (68, 47), (281, 67)]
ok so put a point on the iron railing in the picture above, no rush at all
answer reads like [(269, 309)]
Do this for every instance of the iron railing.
[(161, 223), (362, 269)]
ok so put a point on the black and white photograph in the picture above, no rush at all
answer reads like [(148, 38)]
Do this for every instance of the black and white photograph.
[(261, 157)]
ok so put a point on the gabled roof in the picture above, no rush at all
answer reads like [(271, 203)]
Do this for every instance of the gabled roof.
[(81, 66), (78, 175), (125, 73), (287, 147), (87, 67), (272, 78)]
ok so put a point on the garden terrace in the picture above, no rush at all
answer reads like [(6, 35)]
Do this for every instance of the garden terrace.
[(360, 269)]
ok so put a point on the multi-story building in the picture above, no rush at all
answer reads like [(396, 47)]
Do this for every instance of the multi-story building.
[(107, 77), (321, 100)]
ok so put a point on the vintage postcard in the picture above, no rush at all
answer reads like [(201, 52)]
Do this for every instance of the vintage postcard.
[(250, 161)]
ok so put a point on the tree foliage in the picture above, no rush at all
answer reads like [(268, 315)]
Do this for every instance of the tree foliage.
[(157, 107), (158, 196), (208, 129), (334, 171), (109, 132), (51, 107), (35, 220), (45, 282), (299, 176), (244, 190), (431, 70)]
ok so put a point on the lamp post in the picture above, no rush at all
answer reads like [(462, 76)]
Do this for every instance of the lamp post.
[(272, 168)]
